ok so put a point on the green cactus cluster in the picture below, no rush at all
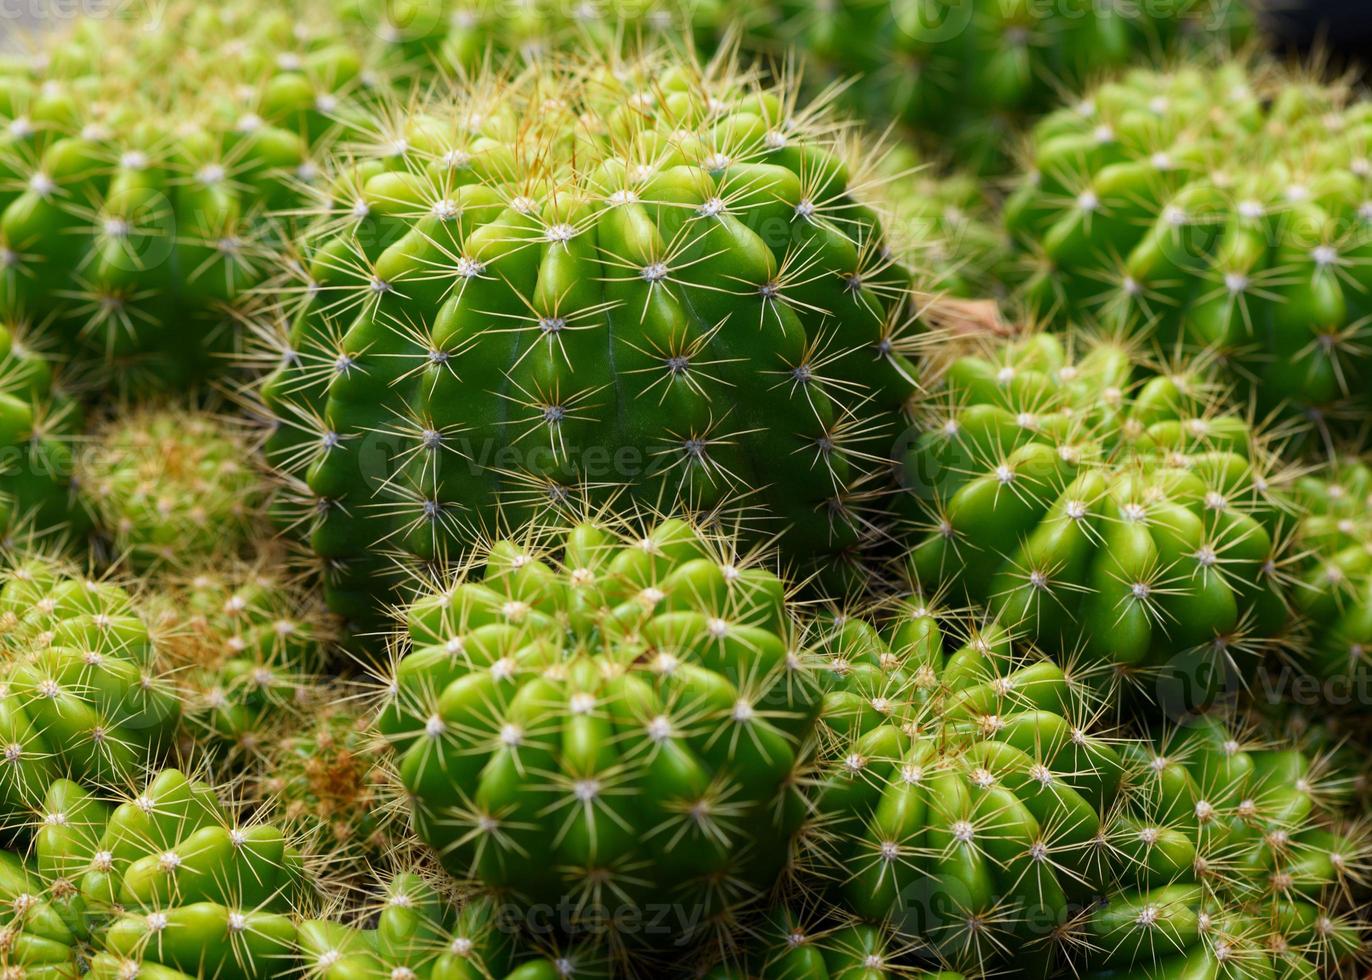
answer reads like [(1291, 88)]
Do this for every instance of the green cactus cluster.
[(81, 694), (563, 501), (969, 73), (172, 487), (159, 881), (324, 779), (668, 285), (1207, 208), (1113, 514), (976, 800), (142, 159)]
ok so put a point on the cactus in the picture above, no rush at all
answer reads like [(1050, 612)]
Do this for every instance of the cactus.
[(160, 883), (38, 423), (82, 697), (690, 303), (133, 217), (324, 780), (416, 932), (1329, 638), (649, 682), (971, 74), (1109, 513), (245, 645), (1201, 207), (969, 795), (172, 487)]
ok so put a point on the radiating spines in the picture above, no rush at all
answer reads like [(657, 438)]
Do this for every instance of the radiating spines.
[(160, 878), (688, 219), (246, 644)]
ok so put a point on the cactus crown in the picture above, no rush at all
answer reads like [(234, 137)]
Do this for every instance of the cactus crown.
[(690, 301)]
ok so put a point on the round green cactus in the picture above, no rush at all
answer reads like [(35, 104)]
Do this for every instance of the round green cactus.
[(1105, 511), (161, 884), (666, 285), (81, 696), (972, 799), (39, 423), (172, 487), (650, 684), (1198, 206), (133, 216)]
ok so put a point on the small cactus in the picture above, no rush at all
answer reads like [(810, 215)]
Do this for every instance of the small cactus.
[(173, 487), (650, 683)]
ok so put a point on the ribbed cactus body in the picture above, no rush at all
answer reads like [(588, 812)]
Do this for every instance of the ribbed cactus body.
[(245, 646), (1200, 207), (971, 73), (656, 286), (650, 686), (1103, 511), (416, 933)]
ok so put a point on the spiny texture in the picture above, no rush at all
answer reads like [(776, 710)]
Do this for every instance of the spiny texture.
[(159, 884), (1105, 511), (80, 695), (607, 725), (587, 278), (971, 800), (972, 73), (415, 933), (790, 943), (1330, 637), (245, 644), (38, 423), (172, 487), (1198, 205), (140, 158), (323, 778)]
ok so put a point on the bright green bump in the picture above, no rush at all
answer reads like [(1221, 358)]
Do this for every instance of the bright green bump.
[(1212, 211), (173, 487), (652, 284), (80, 693), (1109, 513), (598, 720), (1331, 634)]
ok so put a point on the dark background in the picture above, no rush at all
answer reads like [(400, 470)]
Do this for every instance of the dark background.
[(1341, 29)]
